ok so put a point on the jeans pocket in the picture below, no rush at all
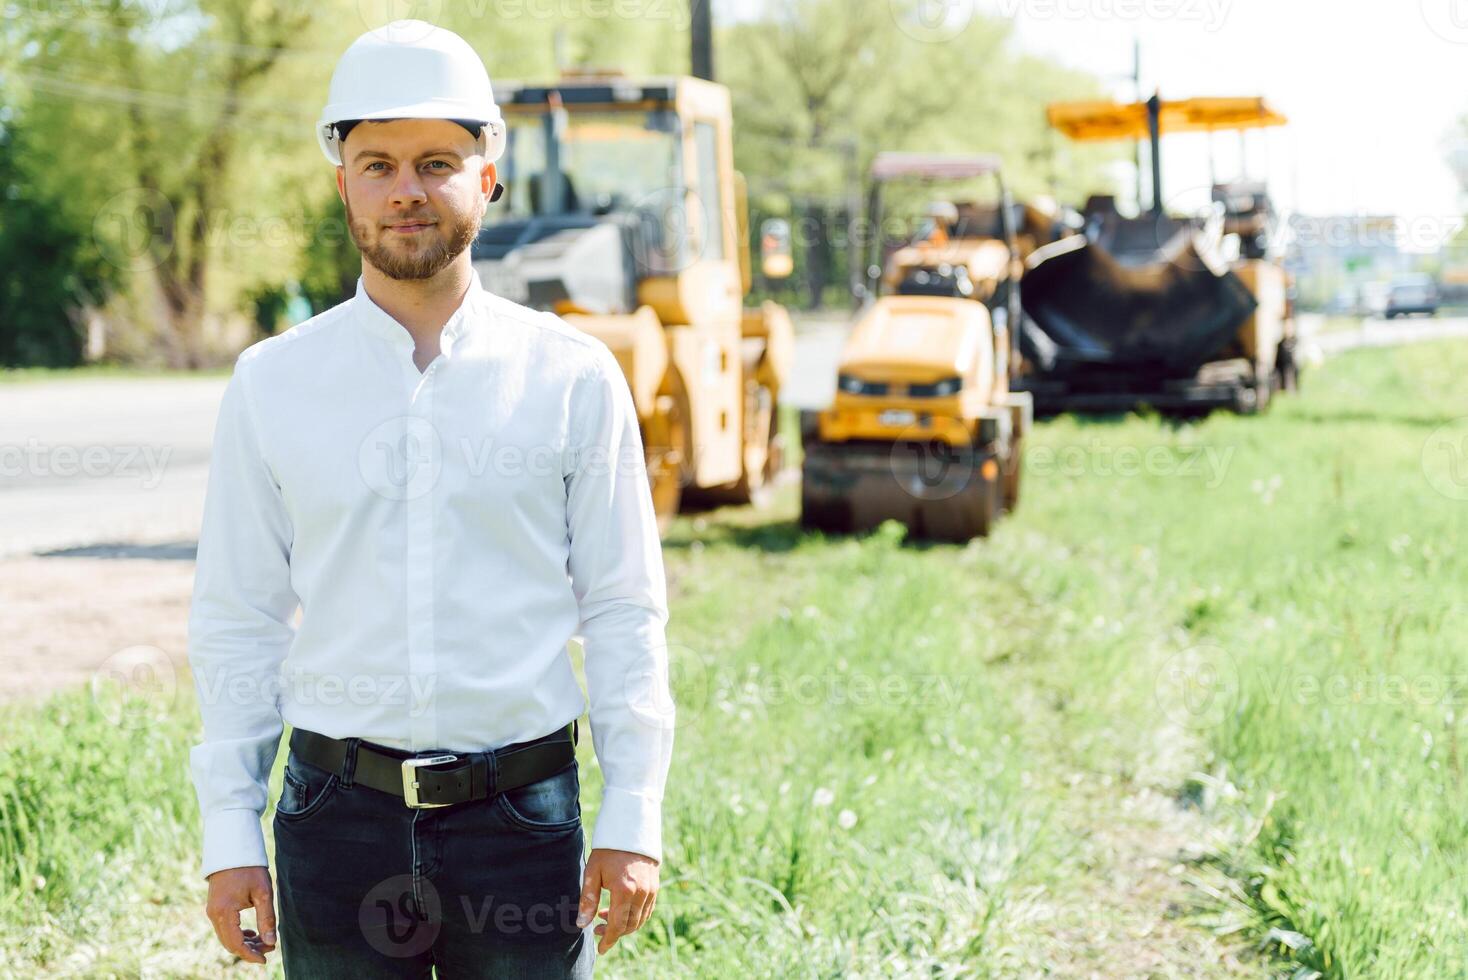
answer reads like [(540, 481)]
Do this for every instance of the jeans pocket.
[(549, 804), (305, 789)]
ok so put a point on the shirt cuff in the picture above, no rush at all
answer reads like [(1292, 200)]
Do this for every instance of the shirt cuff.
[(629, 821), (233, 839)]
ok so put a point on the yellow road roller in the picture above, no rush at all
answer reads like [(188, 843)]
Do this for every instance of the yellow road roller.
[(624, 214), (923, 427)]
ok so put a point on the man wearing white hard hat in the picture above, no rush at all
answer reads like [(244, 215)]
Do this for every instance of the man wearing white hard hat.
[(450, 486)]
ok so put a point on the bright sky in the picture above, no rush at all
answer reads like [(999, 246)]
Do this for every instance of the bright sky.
[(1372, 88)]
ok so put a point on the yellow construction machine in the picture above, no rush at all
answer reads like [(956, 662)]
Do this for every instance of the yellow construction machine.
[(924, 428), (623, 213), (1154, 310)]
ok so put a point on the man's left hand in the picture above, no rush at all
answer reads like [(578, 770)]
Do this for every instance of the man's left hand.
[(632, 879)]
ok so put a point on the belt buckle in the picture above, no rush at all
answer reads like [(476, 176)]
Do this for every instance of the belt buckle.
[(410, 781)]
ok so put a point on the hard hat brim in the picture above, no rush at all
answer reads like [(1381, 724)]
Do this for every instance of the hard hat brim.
[(491, 143)]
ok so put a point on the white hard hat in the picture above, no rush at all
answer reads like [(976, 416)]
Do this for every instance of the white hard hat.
[(432, 73), (943, 211)]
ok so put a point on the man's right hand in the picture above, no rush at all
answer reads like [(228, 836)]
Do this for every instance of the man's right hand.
[(231, 891)]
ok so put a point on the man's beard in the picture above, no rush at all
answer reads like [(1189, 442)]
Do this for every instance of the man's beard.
[(413, 259)]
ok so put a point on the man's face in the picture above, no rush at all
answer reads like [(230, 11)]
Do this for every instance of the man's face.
[(415, 192)]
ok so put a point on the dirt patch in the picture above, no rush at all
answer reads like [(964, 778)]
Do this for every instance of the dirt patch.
[(70, 616)]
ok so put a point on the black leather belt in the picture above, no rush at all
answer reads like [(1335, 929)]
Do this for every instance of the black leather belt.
[(431, 779)]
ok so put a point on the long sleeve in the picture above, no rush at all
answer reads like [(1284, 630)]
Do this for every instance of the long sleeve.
[(616, 568), (239, 631)]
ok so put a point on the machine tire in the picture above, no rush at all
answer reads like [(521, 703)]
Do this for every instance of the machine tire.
[(828, 517), (751, 488), (668, 457), (970, 513), (1010, 471), (1286, 368)]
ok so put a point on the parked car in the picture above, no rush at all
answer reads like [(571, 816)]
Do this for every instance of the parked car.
[(1412, 294)]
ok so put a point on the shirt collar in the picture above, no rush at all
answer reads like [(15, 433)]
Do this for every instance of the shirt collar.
[(379, 322)]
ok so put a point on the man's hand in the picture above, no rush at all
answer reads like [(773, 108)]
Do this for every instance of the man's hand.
[(231, 891), (632, 879)]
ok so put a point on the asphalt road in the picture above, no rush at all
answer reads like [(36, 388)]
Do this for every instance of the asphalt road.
[(92, 462), (105, 464)]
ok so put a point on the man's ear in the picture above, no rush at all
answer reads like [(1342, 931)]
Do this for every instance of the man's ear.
[(341, 191), (489, 182)]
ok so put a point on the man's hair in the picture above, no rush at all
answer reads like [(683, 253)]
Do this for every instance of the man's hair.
[(345, 126)]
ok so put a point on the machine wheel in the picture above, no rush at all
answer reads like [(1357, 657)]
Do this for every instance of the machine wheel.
[(1245, 400), (1011, 473), (1286, 368), (763, 456), (970, 513), (827, 516), (1263, 391), (667, 455)]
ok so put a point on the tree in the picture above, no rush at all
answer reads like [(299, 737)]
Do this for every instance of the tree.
[(49, 266)]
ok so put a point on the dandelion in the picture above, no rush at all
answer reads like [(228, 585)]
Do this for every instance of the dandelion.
[(823, 797), (846, 819)]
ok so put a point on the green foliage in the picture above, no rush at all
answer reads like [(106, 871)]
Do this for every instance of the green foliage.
[(49, 264), (820, 85)]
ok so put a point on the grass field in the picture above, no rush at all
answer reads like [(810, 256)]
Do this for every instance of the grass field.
[(1194, 710)]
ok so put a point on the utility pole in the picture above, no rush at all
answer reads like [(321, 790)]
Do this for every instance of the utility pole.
[(702, 23), (1137, 146)]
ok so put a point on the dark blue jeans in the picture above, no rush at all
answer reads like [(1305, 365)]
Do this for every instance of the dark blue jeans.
[(369, 887)]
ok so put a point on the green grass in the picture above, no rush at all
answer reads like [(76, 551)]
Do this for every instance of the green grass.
[(104, 371), (895, 759)]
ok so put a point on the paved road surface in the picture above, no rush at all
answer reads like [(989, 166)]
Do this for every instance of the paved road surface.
[(94, 461), (98, 462)]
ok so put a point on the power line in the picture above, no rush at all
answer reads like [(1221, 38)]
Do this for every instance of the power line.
[(75, 90), (128, 34), (155, 98)]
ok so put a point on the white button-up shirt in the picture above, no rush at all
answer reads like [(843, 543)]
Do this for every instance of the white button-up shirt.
[(445, 534)]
